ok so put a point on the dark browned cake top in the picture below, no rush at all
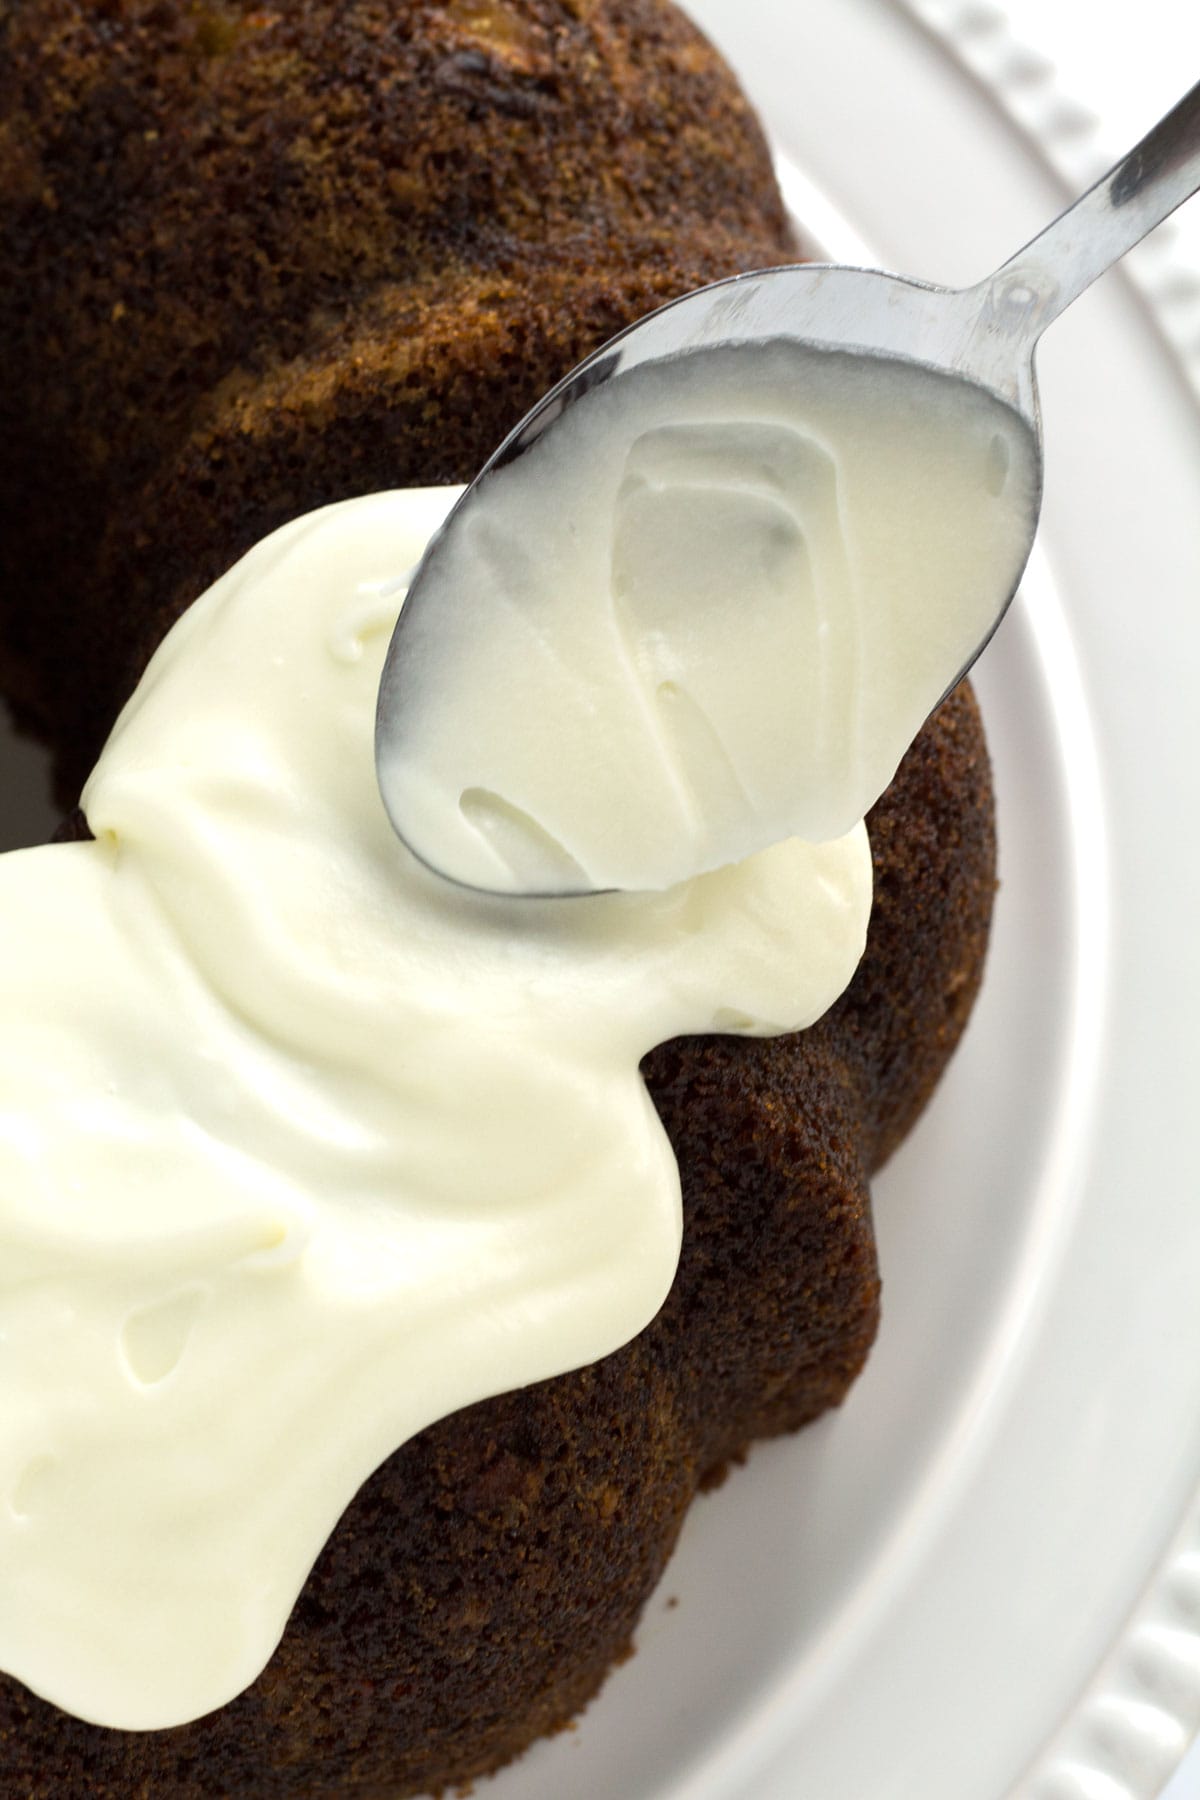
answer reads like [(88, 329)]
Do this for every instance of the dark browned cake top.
[(235, 232)]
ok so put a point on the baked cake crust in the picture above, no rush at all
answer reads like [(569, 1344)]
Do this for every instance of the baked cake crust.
[(235, 232)]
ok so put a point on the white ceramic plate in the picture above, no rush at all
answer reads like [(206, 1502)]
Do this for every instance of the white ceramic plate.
[(982, 1578)]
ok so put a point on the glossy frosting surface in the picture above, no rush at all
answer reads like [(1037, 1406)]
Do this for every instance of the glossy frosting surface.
[(302, 1147)]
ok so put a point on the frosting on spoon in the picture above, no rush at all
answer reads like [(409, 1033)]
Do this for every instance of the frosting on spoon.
[(708, 609)]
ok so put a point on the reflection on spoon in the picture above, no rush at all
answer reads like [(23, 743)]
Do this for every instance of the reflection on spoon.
[(705, 595)]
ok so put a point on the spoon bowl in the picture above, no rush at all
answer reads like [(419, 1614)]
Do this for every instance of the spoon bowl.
[(982, 338)]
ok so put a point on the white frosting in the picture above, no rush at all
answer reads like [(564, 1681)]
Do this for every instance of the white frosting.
[(302, 1148), (709, 609)]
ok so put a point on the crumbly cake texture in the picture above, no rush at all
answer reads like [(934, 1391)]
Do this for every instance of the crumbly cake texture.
[(235, 232), (264, 257)]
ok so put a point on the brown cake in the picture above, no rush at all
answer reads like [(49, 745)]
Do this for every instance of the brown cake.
[(232, 233), (260, 258)]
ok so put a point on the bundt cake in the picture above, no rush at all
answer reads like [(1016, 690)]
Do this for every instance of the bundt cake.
[(261, 259)]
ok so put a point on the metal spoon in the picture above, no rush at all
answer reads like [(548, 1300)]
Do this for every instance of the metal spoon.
[(983, 335)]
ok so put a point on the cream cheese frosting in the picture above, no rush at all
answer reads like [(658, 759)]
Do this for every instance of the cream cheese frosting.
[(707, 610), (302, 1147)]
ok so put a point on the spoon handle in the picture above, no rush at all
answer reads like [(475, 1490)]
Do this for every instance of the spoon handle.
[(1138, 193)]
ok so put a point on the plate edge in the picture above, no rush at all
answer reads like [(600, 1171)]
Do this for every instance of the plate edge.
[(1131, 1726), (1070, 137)]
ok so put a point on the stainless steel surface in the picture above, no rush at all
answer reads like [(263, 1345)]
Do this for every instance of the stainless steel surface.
[(1030, 290), (985, 334)]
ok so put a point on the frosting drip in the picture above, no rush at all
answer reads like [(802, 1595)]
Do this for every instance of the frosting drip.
[(302, 1148)]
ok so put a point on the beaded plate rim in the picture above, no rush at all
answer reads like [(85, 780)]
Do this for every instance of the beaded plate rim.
[(1072, 140), (1131, 1726)]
